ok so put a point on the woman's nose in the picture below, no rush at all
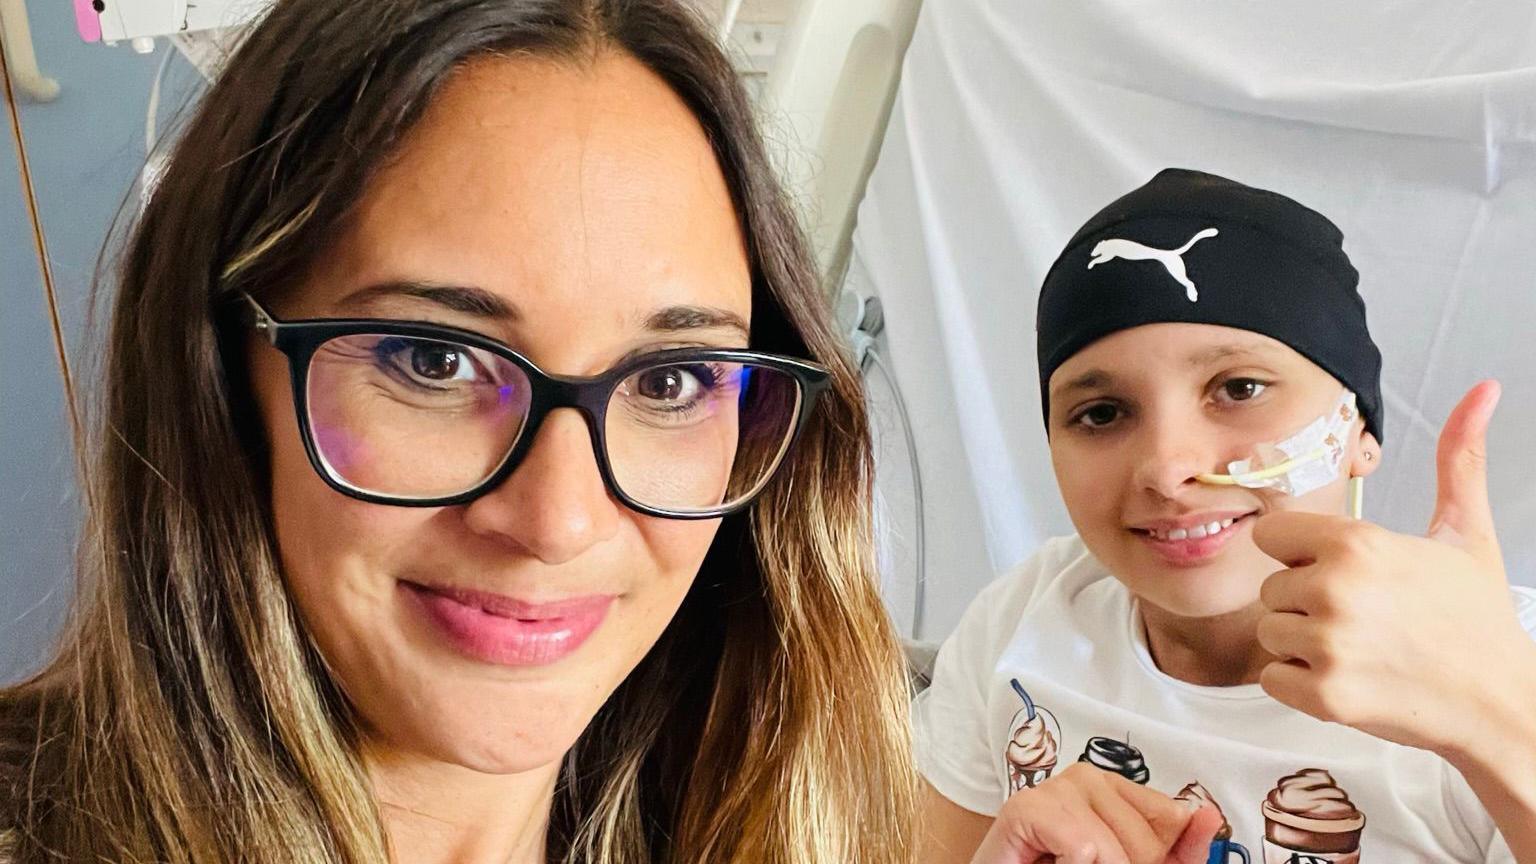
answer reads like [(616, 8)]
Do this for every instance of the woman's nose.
[(554, 505)]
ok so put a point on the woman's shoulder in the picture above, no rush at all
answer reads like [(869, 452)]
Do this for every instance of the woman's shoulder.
[(12, 749), (15, 741), (19, 736), (18, 720)]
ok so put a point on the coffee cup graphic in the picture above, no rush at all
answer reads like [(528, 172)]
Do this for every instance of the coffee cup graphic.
[(1117, 757)]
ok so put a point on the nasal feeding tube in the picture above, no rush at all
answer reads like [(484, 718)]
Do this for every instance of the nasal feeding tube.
[(1306, 461)]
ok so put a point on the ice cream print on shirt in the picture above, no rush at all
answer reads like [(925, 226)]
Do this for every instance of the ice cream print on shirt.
[(1309, 819), (1223, 848), (1033, 739)]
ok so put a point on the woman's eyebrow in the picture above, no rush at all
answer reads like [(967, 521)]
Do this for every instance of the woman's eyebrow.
[(464, 299), (675, 319)]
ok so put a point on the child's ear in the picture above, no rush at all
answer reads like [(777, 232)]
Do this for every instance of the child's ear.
[(1367, 456)]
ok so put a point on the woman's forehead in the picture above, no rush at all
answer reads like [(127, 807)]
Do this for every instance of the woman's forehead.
[(565, 187)]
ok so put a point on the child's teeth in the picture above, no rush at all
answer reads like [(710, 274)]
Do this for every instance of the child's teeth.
[(1199, 532)]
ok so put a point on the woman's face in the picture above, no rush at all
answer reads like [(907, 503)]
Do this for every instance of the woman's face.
[(1138, 414), (576, 212)]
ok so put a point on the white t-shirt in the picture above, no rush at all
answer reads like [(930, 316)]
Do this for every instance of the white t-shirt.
[(1294, 789)]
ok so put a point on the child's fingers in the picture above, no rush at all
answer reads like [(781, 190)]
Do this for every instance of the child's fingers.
[(1087, 816), (1049, 825), (1087, 838), (1166, 817), (1146, 829), (1462, 514), (1194, 844), (1290, 636)]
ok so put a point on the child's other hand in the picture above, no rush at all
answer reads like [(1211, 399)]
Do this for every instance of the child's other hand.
[(1086, 815), (1412, 639)]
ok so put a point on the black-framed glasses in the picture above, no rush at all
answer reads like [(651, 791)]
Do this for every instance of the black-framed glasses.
[(424, 415)]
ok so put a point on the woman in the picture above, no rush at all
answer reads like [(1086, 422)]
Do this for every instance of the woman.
[(438, 512)]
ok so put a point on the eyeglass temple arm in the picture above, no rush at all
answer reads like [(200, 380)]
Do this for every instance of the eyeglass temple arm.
[(264, 323)]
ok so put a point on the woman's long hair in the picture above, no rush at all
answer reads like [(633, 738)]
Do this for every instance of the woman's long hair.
[(187, 716)]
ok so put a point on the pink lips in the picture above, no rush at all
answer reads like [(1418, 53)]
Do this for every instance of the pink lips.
[(1191, 551), (493, 628)]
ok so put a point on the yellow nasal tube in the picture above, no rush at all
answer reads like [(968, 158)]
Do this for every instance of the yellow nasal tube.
[(1320, 450), (1250, 477), (1356, 484)]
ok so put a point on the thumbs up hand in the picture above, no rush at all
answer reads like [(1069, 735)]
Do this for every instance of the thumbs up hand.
[(1411, 639)]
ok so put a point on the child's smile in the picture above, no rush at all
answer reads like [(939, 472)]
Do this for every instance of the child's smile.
[(1192, 539)]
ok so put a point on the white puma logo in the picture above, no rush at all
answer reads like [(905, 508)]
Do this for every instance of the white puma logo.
[(1172, 259)]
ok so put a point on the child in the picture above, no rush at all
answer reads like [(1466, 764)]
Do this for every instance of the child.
[(1205, 361)]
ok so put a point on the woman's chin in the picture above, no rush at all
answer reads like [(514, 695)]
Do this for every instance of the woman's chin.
[(510, 734), (507, 747), (493, 757)]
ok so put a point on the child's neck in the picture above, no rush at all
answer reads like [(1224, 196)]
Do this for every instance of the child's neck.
[(1223, 651)]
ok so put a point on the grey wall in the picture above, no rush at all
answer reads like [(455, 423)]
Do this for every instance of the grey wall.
[(85, 150), (37, 514)]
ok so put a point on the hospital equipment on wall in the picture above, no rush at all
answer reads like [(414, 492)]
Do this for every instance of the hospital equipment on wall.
[(21, 58), (828, 97)]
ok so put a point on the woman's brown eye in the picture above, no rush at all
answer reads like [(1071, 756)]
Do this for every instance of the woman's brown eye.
[(435, 362), (663, 385)]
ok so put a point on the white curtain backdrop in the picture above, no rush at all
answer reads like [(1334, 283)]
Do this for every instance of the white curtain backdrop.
[(1411, 124)]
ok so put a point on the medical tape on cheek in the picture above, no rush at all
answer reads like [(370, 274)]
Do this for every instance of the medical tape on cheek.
[(1302, 463)]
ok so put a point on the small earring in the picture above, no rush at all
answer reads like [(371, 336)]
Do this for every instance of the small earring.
[(1369, 456)]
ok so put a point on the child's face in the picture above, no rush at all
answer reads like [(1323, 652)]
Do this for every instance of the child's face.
[(1135, 416)]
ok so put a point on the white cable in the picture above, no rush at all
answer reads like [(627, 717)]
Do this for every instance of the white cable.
[(154, 163), (152, 114), (919, 588), (728, 20)]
